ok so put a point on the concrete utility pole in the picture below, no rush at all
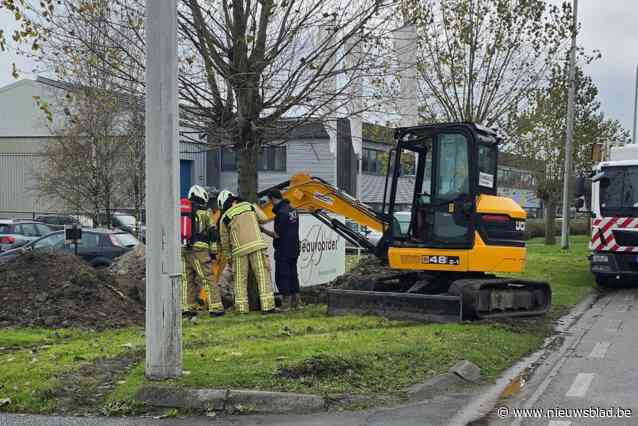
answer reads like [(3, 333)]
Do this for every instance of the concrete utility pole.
[(570, 133), (163, 310), (633, 136)]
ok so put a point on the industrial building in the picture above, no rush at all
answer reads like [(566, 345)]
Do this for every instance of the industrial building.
[(24, 131)]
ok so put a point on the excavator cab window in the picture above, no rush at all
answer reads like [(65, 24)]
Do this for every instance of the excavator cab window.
[(442, 202)]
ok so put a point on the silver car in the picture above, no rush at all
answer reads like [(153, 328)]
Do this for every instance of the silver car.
[(15, 232)]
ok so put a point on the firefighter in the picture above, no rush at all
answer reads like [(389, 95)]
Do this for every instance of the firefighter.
[(241, 241), (200, 248)]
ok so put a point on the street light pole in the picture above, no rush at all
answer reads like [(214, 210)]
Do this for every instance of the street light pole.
[(163, 310), (570, 133), (633, 137)]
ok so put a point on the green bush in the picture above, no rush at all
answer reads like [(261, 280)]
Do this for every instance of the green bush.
[(536, 228)]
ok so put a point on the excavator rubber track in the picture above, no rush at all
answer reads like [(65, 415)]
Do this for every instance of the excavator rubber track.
[(502, 297), (465, 299)]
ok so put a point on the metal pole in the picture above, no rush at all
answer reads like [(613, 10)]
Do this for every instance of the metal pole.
[(163, 311), (633, 137), (570, 133)]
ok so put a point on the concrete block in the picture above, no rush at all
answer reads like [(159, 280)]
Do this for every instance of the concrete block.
[(274, 402), (434, 386), (466, 370), (168, 396)]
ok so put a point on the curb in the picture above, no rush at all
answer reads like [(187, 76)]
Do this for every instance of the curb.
[(265, 402), (230, 400)]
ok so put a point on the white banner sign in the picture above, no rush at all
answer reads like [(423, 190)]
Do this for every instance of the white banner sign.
[(323, 252)]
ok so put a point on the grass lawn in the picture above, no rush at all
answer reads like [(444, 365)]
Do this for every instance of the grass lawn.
[(305, 351)]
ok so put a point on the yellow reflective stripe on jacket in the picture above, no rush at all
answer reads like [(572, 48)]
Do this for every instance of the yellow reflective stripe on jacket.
[(201, 245), (240, 233), (249, 248), (238, 209)]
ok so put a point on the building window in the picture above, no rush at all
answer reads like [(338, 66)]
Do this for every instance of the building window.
[(271, 159), (520, 179), (229, 160), (375, 162)]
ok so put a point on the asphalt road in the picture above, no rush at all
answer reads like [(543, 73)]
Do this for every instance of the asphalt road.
[(596, 369)]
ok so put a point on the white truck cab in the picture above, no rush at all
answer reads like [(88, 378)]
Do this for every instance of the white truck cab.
[(614, 207)]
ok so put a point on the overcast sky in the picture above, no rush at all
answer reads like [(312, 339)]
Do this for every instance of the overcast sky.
[(609, 26)]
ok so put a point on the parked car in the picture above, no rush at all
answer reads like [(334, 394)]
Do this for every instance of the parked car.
[(58, 222), (404, 224), (373, 236), (17, 232), (125, 222), (99, 247)]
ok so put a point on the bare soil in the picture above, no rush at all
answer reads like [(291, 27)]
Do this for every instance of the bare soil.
[(130, 273), (57, 289), (83, 392)]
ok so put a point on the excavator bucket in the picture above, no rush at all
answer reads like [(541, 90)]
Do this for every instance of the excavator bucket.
[(400, 306)]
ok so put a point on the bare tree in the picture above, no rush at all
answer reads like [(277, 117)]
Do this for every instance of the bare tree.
[(250, 71), (102, 133), (477, 59), (537, 132), (82, 160)]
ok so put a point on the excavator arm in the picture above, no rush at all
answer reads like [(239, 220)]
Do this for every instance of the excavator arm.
[(315, 196)]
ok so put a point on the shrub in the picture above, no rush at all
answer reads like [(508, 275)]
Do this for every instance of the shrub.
[(536, 228)]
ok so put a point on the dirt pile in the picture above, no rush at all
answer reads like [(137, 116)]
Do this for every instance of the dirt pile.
[(57, 289), (367, 270), (130, 272)]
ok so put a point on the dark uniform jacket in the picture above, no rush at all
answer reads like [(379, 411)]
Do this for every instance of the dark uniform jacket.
[(287, 228)]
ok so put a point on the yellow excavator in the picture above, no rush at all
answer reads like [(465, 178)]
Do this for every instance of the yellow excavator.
[(461, 232)]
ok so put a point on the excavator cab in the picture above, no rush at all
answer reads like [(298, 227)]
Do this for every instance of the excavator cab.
[(461, 233), (451, 165)]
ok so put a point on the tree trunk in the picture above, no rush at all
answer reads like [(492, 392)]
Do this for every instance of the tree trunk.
[(550, 222), (247, 183), (247, 171)]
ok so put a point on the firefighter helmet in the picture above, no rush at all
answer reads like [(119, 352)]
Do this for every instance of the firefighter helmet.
[(199, 192), (223, 197)]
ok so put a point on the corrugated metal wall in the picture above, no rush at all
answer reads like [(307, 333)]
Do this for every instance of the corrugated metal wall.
[(196, 153), (18, 188), (17, 184)]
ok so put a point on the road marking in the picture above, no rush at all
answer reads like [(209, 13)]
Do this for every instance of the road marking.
[(559, 423), (600, 350), (629, 297), (581, 385), (622, 308)]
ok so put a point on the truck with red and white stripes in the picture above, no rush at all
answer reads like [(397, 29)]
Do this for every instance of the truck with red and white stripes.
[(614, 207)]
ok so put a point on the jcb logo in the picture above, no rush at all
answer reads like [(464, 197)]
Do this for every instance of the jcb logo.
[(520, 225)]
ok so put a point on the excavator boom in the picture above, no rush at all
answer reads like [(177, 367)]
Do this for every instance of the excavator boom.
[(315, 196)]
